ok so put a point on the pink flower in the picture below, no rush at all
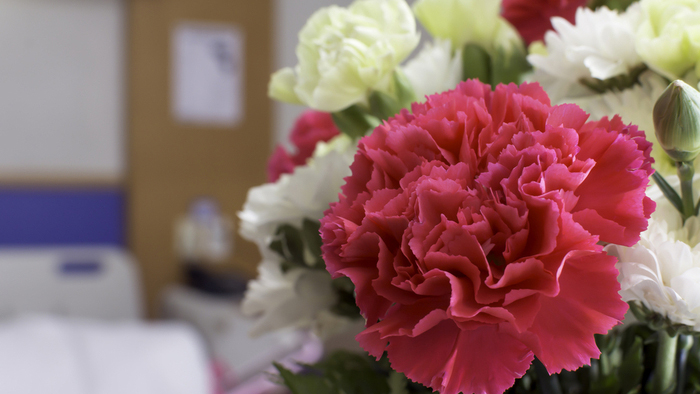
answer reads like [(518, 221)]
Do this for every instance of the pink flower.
[(532, 17), (471, 231), (310, 128)]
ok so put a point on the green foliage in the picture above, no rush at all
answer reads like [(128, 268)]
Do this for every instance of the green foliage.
[(354, 121), (349, 373), (345, 306), (301, 249), (626, 366), (619, 5), (617, 83), (501, 66), (476, 63)]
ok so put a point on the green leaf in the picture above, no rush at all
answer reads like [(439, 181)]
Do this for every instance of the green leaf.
[(405, 94), (670, 193), (352, 373), (304, 384), (345, 306), (382, 105), (476, 63), (632, 368), (607, 385), (312, 239), (354, 121), (509, 65), (549, 384), (294, 243), (397, 383)]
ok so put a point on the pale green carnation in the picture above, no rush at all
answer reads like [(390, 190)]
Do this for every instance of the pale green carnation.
[(668, 40), (467, 22), (345, 53)]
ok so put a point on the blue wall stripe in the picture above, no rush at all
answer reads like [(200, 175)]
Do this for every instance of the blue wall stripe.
[(53, 216)]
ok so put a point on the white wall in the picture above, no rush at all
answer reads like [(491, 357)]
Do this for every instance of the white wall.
[(290, 16), (62, 88)]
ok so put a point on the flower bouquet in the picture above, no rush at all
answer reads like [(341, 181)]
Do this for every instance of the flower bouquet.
[(484, 211)]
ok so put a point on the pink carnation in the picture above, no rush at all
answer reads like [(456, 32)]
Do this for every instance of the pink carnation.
[(310, 128), (471, 231), (532, 17)]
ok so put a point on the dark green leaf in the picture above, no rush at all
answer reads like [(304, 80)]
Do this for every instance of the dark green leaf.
[(304, 384), (509, 64), (476, 63), (404, 90), (383, 106), (607, 385), (292, 244), (354, 121), (549, 384), (632, 368), (397, 383), (352, 373), (312, 239), (669, 192)]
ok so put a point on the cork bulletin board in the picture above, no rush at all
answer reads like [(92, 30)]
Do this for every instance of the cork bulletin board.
[(174, 158)]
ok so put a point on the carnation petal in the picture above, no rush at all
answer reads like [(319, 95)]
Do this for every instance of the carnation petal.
[(483, 360), (586, 304)]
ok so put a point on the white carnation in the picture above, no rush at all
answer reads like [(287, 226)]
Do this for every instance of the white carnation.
[(435, 69), (299, 297), (303, 194), (662, 271), (344, 53), (600, 45)]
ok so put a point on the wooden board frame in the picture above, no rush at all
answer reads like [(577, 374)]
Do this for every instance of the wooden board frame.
[(170, 163)]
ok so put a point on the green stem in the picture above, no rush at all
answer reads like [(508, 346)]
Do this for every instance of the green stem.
[(685, 343), (685, 173), (664, 379)]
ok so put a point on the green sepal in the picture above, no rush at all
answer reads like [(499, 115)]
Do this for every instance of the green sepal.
[(668, 191), (476, 63), (354, 121)]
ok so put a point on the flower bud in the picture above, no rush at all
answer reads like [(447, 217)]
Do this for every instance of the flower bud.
[(677, 121)]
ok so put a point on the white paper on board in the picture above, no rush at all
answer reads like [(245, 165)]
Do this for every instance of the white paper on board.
[(207, 74)]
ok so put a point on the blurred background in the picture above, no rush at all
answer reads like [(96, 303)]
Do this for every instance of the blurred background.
[(130, 133)]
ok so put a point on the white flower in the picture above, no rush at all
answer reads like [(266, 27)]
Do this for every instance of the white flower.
[(345, 53), (299, 297), (305, 193), (634, 105), (668, 38), (600, 45), (435, 69), (466, 21), (663, 270)]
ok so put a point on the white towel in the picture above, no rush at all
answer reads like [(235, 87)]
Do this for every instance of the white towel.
[(50, 355)]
